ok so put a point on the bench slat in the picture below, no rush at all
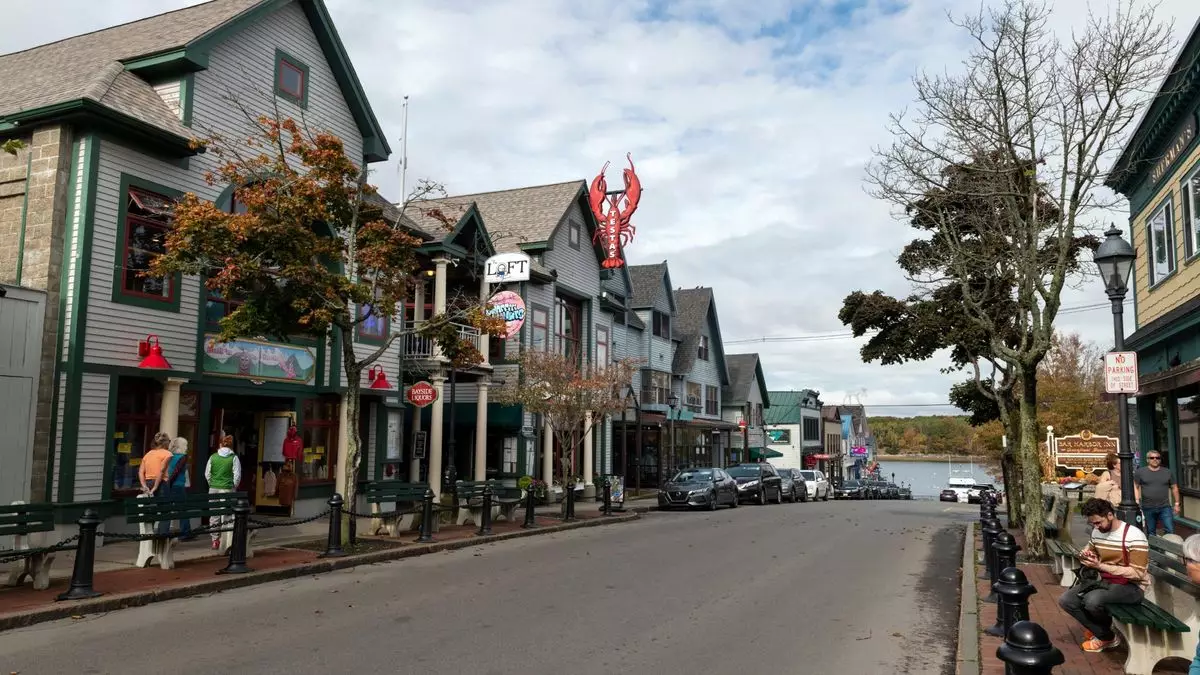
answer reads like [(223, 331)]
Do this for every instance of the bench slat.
[(1148, 614), (394, 491), (1166, 546), (158, 509)]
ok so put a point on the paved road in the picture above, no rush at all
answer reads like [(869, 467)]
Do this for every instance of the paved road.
[(852, 588)]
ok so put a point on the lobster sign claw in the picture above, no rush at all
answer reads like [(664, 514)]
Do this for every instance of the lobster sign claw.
[(614, 211)]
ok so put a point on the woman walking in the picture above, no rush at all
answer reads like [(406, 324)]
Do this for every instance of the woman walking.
[(223, 474), (177, 482), (1109, 487)]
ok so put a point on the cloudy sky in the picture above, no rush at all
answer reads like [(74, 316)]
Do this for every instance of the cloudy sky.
[(750, 122)]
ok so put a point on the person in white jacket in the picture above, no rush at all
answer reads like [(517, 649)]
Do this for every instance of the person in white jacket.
[(223, 474)]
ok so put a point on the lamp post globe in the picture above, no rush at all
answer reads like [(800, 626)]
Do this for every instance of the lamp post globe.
[(1114, 258)]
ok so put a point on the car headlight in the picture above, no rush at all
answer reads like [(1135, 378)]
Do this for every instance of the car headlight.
[(747, 484)]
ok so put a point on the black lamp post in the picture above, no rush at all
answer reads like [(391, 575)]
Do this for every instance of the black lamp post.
[(1115, 259), (672, 403)]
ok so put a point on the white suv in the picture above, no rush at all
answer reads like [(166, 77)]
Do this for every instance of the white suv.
[(818, 486)]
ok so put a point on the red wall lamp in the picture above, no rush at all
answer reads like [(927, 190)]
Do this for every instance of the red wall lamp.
[(378, 378), (152, 354)]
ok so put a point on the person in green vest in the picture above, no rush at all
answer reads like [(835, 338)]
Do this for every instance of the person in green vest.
[(223, 473)]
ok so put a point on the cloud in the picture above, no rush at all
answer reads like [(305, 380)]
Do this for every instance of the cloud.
[(751, 124)]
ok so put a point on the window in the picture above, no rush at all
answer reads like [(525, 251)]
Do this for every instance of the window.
[(702, 350), (1191, 214), (662, 325), (573, 235), (147, 220), (217, 307), (137, 415), (712, 403), (656, 387), (812, 429), (374, 328), (320, 434), (758, 420), (410, 312), (1160, 232), (1187, 441), (568, 329), (693, 401), (541, 327), (496, 348), (291, 78), (601, 347)]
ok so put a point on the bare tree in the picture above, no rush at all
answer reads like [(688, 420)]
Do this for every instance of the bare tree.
[(1025, 132)]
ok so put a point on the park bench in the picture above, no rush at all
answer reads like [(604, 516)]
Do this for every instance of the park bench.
[(470, 501), (27, 525), (147, 511), (1064, 557), (1165, 623), (406, 497)]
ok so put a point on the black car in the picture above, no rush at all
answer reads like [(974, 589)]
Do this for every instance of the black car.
[(905, 492), (757, 482), (850, 488), (893, 491), (948, 495), (793, 485), (707, 487)]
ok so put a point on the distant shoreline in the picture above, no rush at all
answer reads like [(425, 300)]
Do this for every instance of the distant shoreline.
[(957, 459)]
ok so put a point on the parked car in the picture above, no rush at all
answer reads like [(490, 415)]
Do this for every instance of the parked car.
[(851, 488), (793, 485), (893, 491), (874, 489), (975, 494), (707, 487), (818, 486), (905, 492), (757, 482), (948, 495)]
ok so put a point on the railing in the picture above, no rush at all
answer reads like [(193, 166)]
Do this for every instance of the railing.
[(655, 395), (693, 404), (417, 346)]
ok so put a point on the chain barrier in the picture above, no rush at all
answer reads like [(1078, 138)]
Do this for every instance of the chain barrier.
[(387, 514), (13, 556), (170, 534), (259, 524)]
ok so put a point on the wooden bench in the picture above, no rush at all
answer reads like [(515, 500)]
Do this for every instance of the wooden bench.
[(470, 501), (406, 497), (146, 512), (28, 524), (1165, 623), (1064, 557)]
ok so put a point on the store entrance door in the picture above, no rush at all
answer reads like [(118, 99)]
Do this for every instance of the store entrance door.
[(259, 426)]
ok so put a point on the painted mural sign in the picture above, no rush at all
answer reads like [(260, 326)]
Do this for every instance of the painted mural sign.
[(509, 306), (1084, 451), (779, 436), (258, 360)]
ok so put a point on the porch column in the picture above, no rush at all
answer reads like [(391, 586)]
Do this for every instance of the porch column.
[(484, 293), (439, 285), (589, 490), (547, 454), (435, 436), (419, 301), (481, 423), (414, 464), (344, 469), (168, 415)]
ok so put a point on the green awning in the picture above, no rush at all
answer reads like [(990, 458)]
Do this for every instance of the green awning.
[(764, 453)]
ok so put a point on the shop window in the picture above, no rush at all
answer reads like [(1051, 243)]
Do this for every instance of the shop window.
[(1190, 190), (1160, 232), (147, 219), (1187, 433), (137, 419), (320, 433)]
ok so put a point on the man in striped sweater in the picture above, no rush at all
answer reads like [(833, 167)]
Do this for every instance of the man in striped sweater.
[(1119, 554)]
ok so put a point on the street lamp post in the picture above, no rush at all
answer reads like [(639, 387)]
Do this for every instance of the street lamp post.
[(1115, 259), (672, 402)]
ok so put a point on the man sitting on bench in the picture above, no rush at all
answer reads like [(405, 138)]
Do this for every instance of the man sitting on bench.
[(1114, 562)]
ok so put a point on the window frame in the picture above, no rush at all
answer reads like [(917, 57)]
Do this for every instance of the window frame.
[(574, 235), (714, 400), (1191, 216), (569, 313), (1167, 208), (308, 422), (543, 327), (602, 348), (282, 60), (371, 338), (703, 350), (687, 396), (120, 295), (661, 323)]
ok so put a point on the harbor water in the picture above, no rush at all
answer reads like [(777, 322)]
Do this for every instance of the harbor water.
[(928, 479)]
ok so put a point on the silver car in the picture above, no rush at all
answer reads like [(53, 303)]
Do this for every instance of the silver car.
[(817, 484)]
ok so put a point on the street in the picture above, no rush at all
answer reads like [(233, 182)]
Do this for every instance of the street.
[(846, 588)]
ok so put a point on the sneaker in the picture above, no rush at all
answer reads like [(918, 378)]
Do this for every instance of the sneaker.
[(216, 544), (1098, 645), (1088, 635)]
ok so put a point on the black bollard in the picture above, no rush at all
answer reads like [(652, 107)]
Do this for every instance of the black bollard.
[(427, 517), (333, 548), (607, 496), (241, 530), (569, 514), (85, 559), (485, 518), (529, 509), (1027, 651), (988, 530), (1014, 591), (1004, 555)]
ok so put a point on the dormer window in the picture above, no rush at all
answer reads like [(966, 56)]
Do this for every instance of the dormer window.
[(291, 78), (702, 349), (662, 325)]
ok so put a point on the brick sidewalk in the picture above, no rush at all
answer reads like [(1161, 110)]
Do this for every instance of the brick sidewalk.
[(1065, 632)]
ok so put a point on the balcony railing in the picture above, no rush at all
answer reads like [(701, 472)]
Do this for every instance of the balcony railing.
[(693, 404), (655, 395), (420, 347)]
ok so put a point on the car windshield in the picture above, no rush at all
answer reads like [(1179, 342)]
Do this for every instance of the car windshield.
[(692, 476), (852, 483), (808, 475), (743, 472)]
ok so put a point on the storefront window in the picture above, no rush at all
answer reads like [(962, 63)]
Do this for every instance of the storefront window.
[(320, 435), (1187, 430)]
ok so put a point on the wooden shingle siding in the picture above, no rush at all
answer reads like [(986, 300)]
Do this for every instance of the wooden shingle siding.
[(61, 412), (1184, 283), (73, 254), (93, 426)]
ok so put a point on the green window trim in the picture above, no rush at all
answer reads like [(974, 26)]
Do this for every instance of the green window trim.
[(119, 295), (282, 58)]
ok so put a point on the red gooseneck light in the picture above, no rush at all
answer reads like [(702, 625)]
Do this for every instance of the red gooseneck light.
[(378, 378), (152, 354)]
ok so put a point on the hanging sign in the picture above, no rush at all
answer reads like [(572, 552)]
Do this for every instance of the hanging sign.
[(613, 211), (507, 267), (422, 394), (420, 444), (1121, 373), (510, 307)]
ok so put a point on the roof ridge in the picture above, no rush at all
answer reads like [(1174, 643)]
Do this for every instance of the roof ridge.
[(100, 85), (516, 189)]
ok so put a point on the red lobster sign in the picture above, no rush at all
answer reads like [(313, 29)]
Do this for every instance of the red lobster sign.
[(614, 216)]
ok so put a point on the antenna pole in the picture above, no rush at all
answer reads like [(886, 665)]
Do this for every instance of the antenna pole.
[(403, 168)]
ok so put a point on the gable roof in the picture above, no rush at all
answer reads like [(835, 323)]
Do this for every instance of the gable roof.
[(830, 413), (788, 406), (694, 308), (98, 72), (744, 369), (645, 283), (527, 215)]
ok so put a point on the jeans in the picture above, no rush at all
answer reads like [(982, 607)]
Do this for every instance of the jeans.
[(1089, 609), (1156, 515), (175, 492), (219, 522), (1195, 669)]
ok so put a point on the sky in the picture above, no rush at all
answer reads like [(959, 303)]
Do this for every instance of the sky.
[(750, 123)]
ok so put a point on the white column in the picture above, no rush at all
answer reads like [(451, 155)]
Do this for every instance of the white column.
[(439, 286), (168, 416), (341, 481), (547, 454), (414, 464), (484, 293), (481, 425), (435, 436), (588, 450)]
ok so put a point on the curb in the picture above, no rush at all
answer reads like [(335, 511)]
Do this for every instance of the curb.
[(228, 582), (967, 659)]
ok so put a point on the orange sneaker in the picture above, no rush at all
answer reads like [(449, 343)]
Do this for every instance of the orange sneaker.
[(1097, 645), (1088, 635)]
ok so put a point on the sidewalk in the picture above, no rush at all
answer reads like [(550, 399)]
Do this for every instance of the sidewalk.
[(292, 554), (1065, 632)]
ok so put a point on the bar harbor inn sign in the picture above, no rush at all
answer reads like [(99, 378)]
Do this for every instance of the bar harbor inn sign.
[(1084, 451)]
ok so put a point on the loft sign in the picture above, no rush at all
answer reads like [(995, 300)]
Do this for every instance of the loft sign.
[(1183, 139), (506, 267)]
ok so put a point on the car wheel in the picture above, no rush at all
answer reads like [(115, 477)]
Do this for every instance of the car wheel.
[(779, 496), (736, 502), (794, 497), (826, 496), (712, 503), (762, 497)]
